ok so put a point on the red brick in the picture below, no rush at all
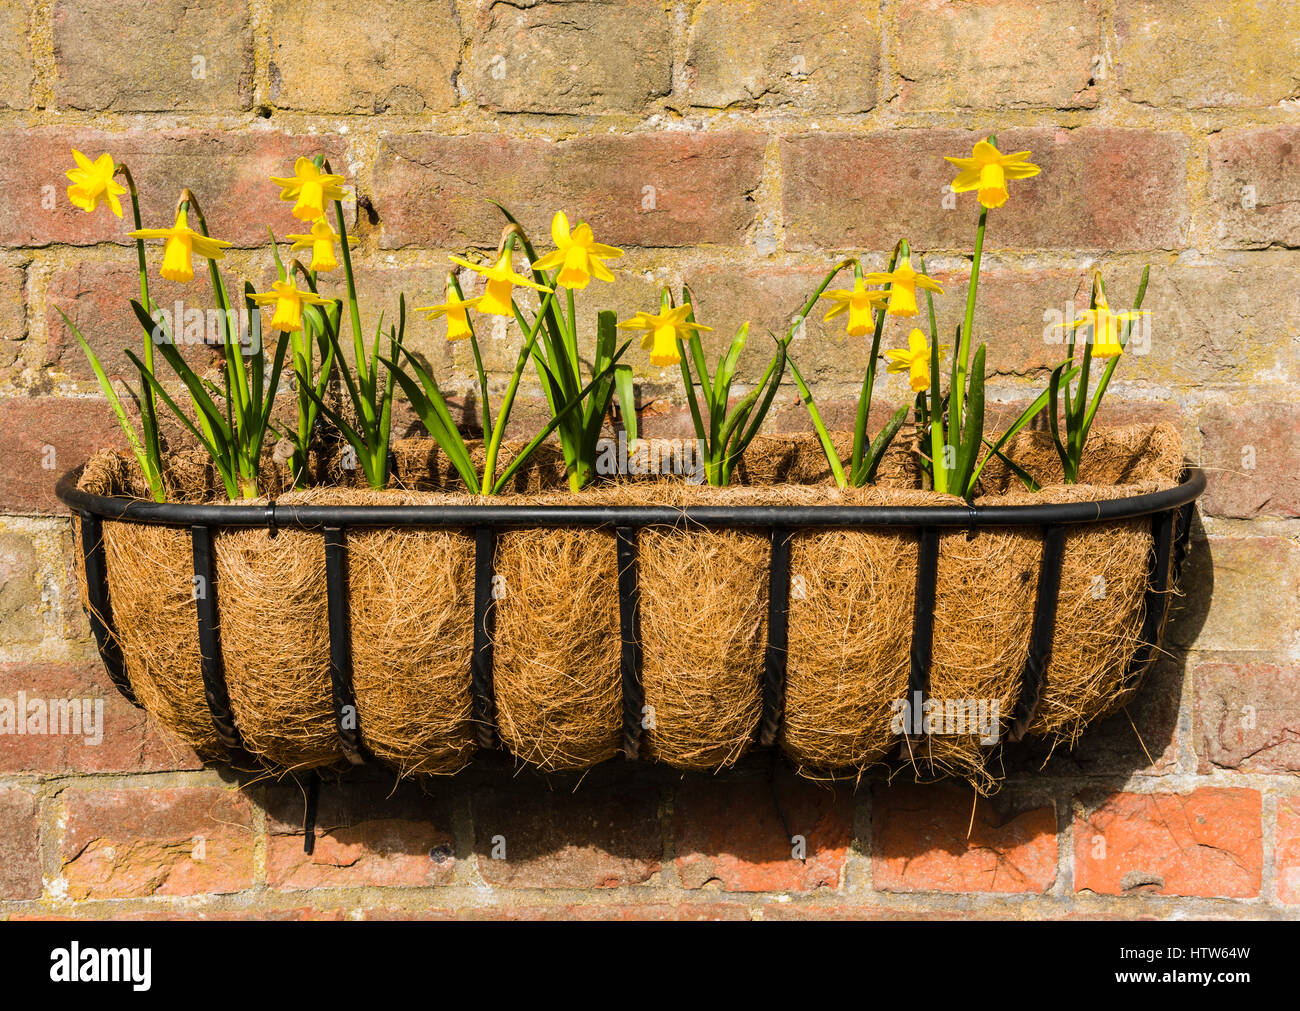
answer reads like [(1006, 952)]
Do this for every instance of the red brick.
[(1099, 189), (396, 55), (364, 837), (1249, 452), (75, 428), (15, 54), (1204, 843), (573, 57), (1255, 186), (130, 741), (920, 842), (1248, 717), (1286, 850), (997, 54), (200, 55), (596, 837), (228, 172), (20, 865), (811, 56), (1173, 53), (730, 834), (646, 189), (131, 843), (1242, 594)]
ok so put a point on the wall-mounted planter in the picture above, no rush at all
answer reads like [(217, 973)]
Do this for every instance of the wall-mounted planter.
[(654, 619)]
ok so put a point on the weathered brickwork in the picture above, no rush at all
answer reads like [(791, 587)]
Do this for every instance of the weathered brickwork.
[(740, 146)]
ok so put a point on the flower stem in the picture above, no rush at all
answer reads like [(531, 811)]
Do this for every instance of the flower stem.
[(957, 394)]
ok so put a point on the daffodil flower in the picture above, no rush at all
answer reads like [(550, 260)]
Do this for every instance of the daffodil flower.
[(903, 282), (92, 183), (988, 169), (1105, 327), (578, 255), (183, 244), (289, 300), (321, 242), (915, 361), (663, 331), (310, 188), (456, 309), (501, 279), (858, 303)]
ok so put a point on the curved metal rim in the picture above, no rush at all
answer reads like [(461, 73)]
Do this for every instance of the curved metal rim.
[(181, 514)]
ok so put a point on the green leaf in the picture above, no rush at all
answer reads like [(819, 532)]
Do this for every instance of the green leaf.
[(876, 452), (626, 387)]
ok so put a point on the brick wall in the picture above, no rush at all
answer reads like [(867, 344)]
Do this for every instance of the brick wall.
[(739, 145)]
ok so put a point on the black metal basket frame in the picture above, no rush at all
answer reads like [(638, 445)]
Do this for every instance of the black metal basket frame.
[(1170, 511)]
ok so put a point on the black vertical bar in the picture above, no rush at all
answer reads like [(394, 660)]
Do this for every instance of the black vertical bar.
[(346, 718), (778, 614), (211, 662), (309, 815), (484, 618), (100, 611), (629, 624), (1156, 601), (927, 573), (1044, 627)]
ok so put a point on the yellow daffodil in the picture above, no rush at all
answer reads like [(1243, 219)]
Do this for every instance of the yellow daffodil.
[(915, 361), (311, 188), (92, 183), (321, 242), (289, 300), (988, 169), (183, 244), (858, 303), (578, 255), (456, 309), (501, 279), (1105, 327), (903, 282), (663, 332)]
